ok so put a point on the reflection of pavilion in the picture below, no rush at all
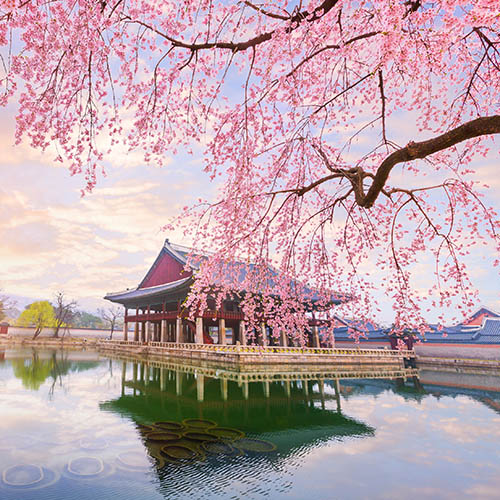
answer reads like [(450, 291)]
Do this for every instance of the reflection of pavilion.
[(297, 412), (291, 411)]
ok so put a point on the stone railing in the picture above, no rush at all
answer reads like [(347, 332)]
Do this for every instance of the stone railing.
[(256, 349)]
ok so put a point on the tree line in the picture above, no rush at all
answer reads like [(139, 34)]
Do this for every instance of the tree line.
[(61, 315)]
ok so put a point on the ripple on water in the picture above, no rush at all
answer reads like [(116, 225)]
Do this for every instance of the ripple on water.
[(28, 477), (88, 468), (133, 460)]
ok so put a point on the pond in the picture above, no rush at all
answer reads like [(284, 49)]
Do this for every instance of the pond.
[(77, 425)]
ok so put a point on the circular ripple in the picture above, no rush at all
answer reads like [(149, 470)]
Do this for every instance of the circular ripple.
[(178, 452), (94, 444), (169, 425), (200, 436), (255, 445), (87, 468), (220, 448), (145, 427), (162, 436), (22, 475), (28, 477), (199, 423), (227, 433), (133, 459)]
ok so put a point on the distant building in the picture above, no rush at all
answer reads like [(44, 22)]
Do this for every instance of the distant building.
[(483, 327)]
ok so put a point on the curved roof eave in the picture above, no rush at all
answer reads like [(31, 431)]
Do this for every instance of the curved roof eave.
[(142, 293)]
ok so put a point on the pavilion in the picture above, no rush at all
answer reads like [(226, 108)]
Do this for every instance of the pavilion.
[(156, 307)]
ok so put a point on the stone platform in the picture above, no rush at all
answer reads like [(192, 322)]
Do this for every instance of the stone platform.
[(251, 356)]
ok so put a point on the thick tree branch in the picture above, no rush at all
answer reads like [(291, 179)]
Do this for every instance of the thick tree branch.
[(414, 150)]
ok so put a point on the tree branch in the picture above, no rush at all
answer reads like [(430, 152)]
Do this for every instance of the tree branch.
[(320, 11), (485, 125)]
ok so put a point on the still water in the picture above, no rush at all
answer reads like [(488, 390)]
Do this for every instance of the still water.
[(76, 425)]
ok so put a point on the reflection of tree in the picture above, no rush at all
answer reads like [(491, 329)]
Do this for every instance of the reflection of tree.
[(35, 371)]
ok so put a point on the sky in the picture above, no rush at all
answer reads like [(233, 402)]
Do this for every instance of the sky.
[(53, 239)]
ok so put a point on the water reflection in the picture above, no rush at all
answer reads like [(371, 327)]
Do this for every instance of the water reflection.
[(129, 428), (34, 368)]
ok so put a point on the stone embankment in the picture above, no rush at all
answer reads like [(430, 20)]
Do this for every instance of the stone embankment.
[(259, 355)]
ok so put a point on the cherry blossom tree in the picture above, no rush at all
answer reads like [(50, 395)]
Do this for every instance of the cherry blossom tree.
[(340, 132)]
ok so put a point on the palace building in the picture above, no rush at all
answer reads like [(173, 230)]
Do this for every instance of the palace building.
[(156, 308)]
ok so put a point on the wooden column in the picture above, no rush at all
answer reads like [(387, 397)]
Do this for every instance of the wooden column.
[(136, 332), (125, 331), (178, 331), (223, 388), (222, 331), (321, 384), (178, 383), (143, 331), (315, 336), (266, 388), (148, 331), (163, 330), (283, 339), (162, 379), (263, 335), (198, 339), (287, 388), (200, 387), (242, 332), (124, 375), (305, 386)]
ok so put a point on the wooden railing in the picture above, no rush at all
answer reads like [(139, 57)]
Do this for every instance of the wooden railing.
[(172, 315), (256, 349)]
